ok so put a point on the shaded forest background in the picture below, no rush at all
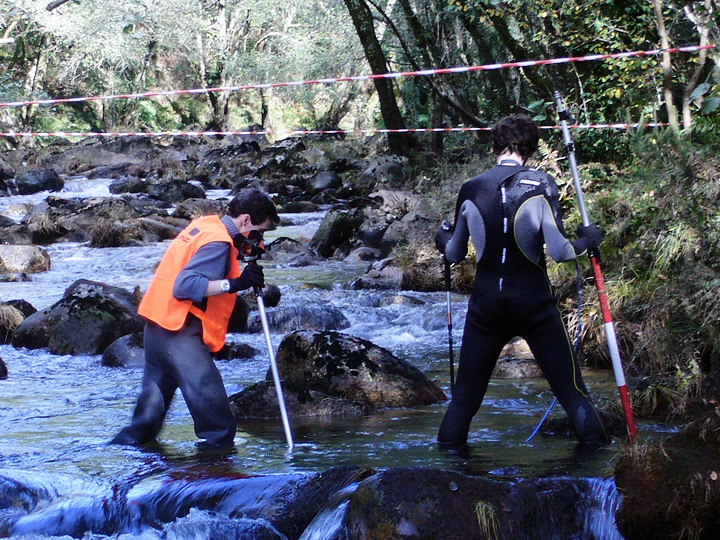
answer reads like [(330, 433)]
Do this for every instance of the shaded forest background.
[(654, 192)]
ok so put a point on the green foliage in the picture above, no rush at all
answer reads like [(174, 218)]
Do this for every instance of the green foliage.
[(660, 216)]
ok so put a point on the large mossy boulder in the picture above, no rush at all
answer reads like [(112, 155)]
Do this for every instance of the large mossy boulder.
[(88, 318), (671, 489), (353, 368), (336, 228)]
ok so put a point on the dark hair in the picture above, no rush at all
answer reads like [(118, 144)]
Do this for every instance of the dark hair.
[(517, 134), (254, 202)]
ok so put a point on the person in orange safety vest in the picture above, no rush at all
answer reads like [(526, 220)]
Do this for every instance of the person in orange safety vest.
[(186, 309)]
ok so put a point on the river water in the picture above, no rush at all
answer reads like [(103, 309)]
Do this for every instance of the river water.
[(58, 412)]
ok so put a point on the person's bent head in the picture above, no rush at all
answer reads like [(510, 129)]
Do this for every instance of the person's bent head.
[(517, 134), (256, 204)]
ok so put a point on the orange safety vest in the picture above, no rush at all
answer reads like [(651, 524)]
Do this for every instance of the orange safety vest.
[(161, 307)]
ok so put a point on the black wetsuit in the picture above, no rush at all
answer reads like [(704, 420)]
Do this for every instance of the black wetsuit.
[(511, 212)]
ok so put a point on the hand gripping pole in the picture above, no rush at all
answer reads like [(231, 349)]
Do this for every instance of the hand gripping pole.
[(597, 273)]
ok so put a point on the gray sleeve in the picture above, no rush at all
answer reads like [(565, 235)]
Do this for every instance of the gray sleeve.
[(209, 263), (468, 223), (559, 247)]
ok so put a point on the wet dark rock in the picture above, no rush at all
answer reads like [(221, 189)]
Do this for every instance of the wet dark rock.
[(25, 307), (335, 229), (289, 318), (128, 184), (434, 504), (384, 170), (260, 400), (233, 351), (239, 318), (6, 174), (353, 368), (23, 259), (271, 297), (6, 221), (299, 207), (157, 229), (88, 318), (288, 146), (559, 425), (3, 370), (285, 249), (363, 254), (373, 228), (322, 181), (127, 352), (413, 228), (382, 274), (175, 190), (671, 489), (36, 180)]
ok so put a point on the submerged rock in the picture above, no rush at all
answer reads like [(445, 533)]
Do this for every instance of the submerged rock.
[(88, 318), (353, 368), (127, 351), (289, 318)]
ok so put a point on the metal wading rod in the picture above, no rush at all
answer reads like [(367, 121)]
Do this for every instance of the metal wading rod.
[(597, 273), (273, 367)]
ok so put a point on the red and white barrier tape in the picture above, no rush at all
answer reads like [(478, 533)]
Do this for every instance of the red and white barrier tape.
[(298, 132), (331, 80)]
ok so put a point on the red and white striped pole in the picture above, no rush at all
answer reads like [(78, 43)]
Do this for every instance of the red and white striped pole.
[(599, 282)]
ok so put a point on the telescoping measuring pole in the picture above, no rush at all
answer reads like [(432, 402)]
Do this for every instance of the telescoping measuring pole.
[(274, 368), (597, 273), (250, 249)]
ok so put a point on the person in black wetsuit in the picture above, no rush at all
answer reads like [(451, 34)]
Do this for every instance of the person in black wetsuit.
[(511, 212)]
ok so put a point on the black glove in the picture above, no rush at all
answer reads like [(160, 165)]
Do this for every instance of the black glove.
[(588, 238), (252, 276), (443, 236)]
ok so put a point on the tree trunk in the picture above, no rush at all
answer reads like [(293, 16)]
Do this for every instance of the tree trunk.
[(542, 84), (701, 22), (400, 143), (666, 67)]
